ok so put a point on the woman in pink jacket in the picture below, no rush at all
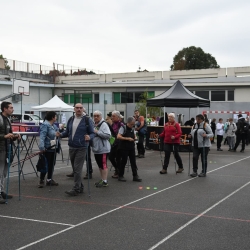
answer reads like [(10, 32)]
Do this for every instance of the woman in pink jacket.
[(171, 134)]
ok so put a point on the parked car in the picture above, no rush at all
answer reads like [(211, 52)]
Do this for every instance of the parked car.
[(26, 118)]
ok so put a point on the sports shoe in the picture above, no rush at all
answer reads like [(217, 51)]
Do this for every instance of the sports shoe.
[(5, 196), (96, 183), (2, 200), (41, 184), (202, 174), (51, 183), (180, 170), (72, 192), (194, 174), (137, 156), (86, 176), (141, 156), (163, 171), (136, 178), (242, 151), (70, 175), (122, 179), (102, 184), (219, 149)]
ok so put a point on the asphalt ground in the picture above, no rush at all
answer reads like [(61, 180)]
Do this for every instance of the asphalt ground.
[(162, 212)]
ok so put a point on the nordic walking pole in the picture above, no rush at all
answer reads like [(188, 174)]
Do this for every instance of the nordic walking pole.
[(174, 156), (19, 168), (159, 140), (8, 178), (87, 164), (189, 161), (54, 161), (203, 158)]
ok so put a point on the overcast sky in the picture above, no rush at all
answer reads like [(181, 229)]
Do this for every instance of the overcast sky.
[(119, 36)]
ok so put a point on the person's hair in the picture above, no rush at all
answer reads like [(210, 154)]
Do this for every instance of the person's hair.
[(230, 119), (50, 115), (220, 119), (153, 117), (171, 114), (98, 112), (214, 119), (130, 119), (117, 113), (5, 105), (200, 116), (136, 110), (192, 119)]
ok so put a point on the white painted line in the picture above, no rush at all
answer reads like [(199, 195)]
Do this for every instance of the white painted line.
[(197, 217), (118, 208), (42, 221)]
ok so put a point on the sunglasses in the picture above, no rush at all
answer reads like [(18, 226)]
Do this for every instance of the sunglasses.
[(78, 107)]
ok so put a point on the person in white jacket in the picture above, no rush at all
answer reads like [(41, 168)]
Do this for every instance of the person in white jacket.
[(101, 147), (220, 133)]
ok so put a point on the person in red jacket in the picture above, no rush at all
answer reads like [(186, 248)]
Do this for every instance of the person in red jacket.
[(171, 134)]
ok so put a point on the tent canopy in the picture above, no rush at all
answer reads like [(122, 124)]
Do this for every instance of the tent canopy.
[(178, 96), (54, 104)]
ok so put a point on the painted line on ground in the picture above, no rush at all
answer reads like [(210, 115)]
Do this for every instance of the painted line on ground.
[(33, 220), (197, 217), (125, 205)]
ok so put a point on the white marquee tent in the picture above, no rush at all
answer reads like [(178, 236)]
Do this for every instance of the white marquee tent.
[(54, 104)]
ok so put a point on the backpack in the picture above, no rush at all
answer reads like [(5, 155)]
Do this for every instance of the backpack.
[(42, 164), (167, 124), (87, 120), (113, 135), (204, 128)]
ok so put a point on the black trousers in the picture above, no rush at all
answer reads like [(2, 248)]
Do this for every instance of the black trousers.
[(115, 157), (140, 146), (124, 155), (196, 153), (51, 159), (168, 148), (219, 140), (240, 138), (88, 161)]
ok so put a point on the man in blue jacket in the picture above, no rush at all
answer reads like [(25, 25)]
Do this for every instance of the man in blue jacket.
[(79, 131)]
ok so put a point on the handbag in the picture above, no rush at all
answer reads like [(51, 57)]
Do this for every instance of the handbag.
[(42, 164)]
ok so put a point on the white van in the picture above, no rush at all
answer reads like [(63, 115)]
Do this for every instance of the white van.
[(26, 118)]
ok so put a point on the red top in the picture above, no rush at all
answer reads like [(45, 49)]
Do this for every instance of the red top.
[(171, 129)]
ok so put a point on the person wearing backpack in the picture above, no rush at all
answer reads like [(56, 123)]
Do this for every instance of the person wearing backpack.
[(230, 129), (47, 134), (79, 131), (200, 134), (171, 134), (240, 133), (101, 147)]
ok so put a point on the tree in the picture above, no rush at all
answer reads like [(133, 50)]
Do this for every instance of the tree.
[(141, 106), (193, 58), (5, 62)]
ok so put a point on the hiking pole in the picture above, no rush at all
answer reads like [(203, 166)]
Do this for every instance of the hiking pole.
[(87, 164), (54, 161), (189, 160), (19, 168), (174, 156), (8, 177), (203, 158), (160, 152)]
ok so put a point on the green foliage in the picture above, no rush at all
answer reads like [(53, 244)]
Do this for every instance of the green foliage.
[(193, 58), (5, 62), (142, 104)]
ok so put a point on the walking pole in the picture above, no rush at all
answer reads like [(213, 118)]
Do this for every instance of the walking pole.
[(8, 177), (160, 152), (54, 161), (203, 158), (87, 164)]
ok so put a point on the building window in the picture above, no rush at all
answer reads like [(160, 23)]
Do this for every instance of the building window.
[(151, 94), (126, 97), (117, 97), (66, 98), (87, 98), (218, 96), (96, 98), (138, 96), (230, 95), (202, 94)]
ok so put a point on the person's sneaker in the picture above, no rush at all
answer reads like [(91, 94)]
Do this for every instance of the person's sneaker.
[(141, 156), (163, 171), (202, 174), (41, 184), (96, 183), (2, 200), (180, 170), (233, 150), (194, 174), (105, 184), (242, 151), (86, 176), (137, 156), (122, 179), (51, 183), (219, 149), (5, 196), (136, 178), (70, 175), (102, 184), (72, 192)]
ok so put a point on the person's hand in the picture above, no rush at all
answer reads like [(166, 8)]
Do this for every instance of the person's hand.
[(95, 130), (58, 134), (172, 137), (87, 137), (9, 136), (189, 136), (204, 135), (130, 139)]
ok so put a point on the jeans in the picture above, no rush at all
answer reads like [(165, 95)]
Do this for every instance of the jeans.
[(196, 153), (231, 141), (51, 159), (168, 148)]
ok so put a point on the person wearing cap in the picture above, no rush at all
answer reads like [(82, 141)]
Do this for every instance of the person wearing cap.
[(242, 128), (171, 134)]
